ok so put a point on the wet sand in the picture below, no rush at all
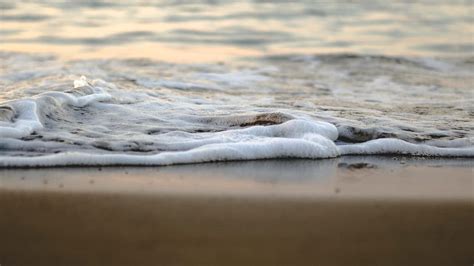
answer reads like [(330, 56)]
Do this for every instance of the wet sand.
[(347, 211)]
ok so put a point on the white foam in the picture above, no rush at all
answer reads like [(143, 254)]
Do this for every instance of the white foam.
[(27, 117), (81, 101), (293, 139), (81, 82), (397, 146), (25, 123), (310, 145), (38, 146), (218, 113), (454, 143), (294, 129)]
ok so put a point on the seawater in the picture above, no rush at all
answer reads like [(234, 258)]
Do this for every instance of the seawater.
[(267, 80)]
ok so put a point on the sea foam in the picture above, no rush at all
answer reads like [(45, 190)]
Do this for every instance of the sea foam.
[(204, 114)]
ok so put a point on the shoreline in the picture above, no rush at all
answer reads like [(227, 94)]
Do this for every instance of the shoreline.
[(376, 157), (352, 211)]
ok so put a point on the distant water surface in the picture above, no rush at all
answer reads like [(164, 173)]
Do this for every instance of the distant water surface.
[(197, 31)]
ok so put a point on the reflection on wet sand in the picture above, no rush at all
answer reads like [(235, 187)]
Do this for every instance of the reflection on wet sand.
[(382, 178)]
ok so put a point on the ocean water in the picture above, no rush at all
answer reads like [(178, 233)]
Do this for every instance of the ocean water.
[(159, 83)]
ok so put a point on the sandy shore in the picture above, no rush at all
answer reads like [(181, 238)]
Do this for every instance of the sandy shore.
[(347, 211)]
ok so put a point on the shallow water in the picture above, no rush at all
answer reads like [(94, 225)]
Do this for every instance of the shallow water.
[(270, 100)]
